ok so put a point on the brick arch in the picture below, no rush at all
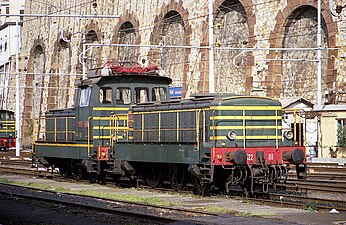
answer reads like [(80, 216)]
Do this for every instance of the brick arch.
[(28, 90), (155, 37), (127, 17), (273, 80), (204, 65)]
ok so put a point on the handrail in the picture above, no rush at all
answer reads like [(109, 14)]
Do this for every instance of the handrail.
[(89, 118), (244, 129), (197, 127), (294, 126), (276, 131), (66, 135), (178, 126), (159, 124), (54, 129)]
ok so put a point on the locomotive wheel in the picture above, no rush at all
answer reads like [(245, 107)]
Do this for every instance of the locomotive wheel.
[(176, 176), (92, 177), (79, 173), (154, 176), (64, 172), (198, 186)]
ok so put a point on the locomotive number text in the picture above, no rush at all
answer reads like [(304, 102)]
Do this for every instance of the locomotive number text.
[(270, 156), (250, 157)]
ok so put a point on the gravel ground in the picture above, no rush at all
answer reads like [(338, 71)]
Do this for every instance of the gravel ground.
[(15, 211)]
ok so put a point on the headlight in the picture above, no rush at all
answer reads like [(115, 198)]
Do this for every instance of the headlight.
[(231, 135), (288, 135)]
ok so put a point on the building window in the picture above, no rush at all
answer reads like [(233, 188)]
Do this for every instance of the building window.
[(21, 12), (7, 10), (341, 124), (341, 132)]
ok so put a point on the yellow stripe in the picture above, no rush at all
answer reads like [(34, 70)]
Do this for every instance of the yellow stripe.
[(7, 130), (101, 118), (110, 109), (242, 127), (109, 118), (245, 117), (238, 97), (170, 111), (101, 137), (108, 128), (63, 145), (106, 137), (248, 138), (254, 108)]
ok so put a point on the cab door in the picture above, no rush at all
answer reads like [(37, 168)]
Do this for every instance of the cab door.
[(83, 114)]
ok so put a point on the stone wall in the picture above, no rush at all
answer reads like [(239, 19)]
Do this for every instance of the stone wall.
[(52, 48)]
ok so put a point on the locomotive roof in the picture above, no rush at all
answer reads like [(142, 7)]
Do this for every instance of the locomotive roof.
[(5, 110), (206, 100), (127, 75)]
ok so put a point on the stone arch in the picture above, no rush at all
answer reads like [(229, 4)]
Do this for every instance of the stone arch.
[(247, 59), (126, 32), (34, 80), (60, 80), (274, 80), (93, 35), (176, 17)]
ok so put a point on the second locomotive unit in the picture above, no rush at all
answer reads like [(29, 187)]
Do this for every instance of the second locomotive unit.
[(125, 124), (7, 130)]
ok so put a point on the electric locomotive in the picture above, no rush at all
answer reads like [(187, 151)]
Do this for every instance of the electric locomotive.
[(7, 130), (125, 124)]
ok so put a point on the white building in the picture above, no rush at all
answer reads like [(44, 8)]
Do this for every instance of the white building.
[(10, 30)]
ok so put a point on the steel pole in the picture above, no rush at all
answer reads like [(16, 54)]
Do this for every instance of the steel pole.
[(211, 48), (319, 56), (18, 125)]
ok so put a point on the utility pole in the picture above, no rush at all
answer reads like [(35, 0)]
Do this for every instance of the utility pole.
[(319, 56), (18, 125), (211, 48)]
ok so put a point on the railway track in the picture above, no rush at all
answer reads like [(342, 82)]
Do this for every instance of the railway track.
[(148, 213), (309, 193)]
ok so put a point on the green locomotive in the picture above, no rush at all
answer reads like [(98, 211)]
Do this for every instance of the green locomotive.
[(125, 124), (7, 130)]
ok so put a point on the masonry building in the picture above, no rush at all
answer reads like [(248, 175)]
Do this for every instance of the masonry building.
[(248, 57)]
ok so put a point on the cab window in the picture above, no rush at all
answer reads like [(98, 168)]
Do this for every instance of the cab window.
[(123, 96), (85, 97), (159, 94), (141, 94), (105, 95)]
